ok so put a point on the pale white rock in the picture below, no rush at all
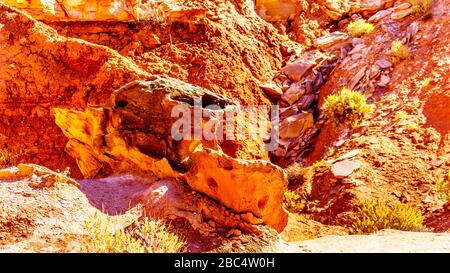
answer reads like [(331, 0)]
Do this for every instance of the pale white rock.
[(379, 15), (331, 39), (345, 168)]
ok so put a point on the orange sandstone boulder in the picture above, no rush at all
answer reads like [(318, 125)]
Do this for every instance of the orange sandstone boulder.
[(243, 185), (133, 133)]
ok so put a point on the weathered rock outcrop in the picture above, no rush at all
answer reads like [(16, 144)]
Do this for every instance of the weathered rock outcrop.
[(203, 47), (197, 42), (99, 10), (133, 133), (39, 70)]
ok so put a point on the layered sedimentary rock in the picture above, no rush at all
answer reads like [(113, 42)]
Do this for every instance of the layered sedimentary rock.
[(39, 70), (123, 10), (134, 133), (220, 45), (203, 48)]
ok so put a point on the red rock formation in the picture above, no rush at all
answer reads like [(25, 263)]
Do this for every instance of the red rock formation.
[(40, 70), (133, 133)]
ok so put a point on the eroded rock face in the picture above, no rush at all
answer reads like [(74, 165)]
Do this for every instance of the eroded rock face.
[(132, 133), (204, 47), (39, 70), (99, 10)]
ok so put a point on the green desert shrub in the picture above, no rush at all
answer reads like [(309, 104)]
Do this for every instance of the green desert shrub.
[(5, 158), (443, 187), (348, 107), (420, 6), (359, 27), (398, 50), (377, 215), (294, 202), (145, 236)]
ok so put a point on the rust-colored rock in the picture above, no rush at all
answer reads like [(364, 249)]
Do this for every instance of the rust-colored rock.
[(83, 10), (307, 61), (54, 72), (196, 42), (133, 133)]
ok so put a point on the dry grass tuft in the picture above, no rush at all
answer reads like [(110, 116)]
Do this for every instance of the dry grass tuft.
[(145, 236), (359, 27), (378, 215)]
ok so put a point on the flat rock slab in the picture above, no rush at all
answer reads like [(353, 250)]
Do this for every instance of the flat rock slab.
[(345, 168)]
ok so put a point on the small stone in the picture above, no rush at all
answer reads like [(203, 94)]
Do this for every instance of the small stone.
[(375, 71), (357, 49), (272, 90), (339, 143), (331, 39), (345, 168), (384, 80), (233, 232), (349, 155), (357, 41), (294, 126), (358, 76), (294, 93), (411, 31), (437, 162), (297, 69), (379, 15), (306, 101), (383, 63), (402, 6)]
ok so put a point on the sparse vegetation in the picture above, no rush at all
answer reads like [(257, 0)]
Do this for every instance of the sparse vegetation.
[(145, 236), (412, 127), (348, 107), (443, 187), (400, 115), (296, 172), (377, 215), (424, 83), (319, 164), (5, 158), (294, 202), (359, 27), (420, 6), (398, 51)]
